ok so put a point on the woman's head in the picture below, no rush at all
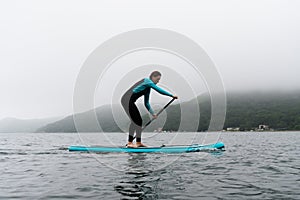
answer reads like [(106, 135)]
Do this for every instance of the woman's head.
[(155, 76)]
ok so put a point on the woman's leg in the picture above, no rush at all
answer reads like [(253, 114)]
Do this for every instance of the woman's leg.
[(125, 104), (131, 132), (136, 121)]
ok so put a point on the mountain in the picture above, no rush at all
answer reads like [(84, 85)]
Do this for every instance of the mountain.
[(107, 119), (246, 110), (279, 110), (104, 115), (14, 125)]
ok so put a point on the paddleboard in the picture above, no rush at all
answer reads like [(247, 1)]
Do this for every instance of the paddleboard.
[(162, 149)]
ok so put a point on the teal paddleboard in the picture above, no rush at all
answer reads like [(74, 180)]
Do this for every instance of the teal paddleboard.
[(162, 149)]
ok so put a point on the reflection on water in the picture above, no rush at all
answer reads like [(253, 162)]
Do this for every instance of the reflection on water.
[(138, 182)]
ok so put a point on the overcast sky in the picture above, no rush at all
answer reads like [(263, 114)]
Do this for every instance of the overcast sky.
[(43, 44)]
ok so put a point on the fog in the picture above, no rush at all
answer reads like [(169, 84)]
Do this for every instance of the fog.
[(254, 45)]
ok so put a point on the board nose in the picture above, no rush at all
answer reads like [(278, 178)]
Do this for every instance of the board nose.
[(219, 145)]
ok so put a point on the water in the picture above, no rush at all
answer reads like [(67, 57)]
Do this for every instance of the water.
[(254, 166)]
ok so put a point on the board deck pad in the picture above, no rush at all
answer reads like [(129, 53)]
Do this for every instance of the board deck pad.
[(162, 149)]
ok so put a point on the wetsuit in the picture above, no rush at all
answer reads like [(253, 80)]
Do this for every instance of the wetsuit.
[(128, 100)]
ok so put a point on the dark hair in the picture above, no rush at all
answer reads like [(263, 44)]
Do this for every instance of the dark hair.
[(155, 74)]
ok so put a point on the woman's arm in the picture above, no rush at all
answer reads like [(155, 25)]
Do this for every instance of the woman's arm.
[(160, 90), (147, 104)]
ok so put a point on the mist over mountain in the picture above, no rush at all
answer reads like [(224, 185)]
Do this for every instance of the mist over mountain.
[(14, 125)]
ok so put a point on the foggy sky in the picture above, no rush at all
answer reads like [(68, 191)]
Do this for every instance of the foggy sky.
[(254, 44)]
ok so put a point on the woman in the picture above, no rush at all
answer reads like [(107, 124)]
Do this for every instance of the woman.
[(128, 100)]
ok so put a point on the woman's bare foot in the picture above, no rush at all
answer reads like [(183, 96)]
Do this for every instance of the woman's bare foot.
[(139, 144), (130, 144)]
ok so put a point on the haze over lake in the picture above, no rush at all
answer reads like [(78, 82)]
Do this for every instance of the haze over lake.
[(254, 45)]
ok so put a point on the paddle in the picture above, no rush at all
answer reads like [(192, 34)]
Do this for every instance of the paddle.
[(149, 122)]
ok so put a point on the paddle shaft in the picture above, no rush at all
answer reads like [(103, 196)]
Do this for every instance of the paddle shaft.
[(149, 122)]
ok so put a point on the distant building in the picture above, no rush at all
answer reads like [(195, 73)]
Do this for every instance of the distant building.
[(233, 129), (262, 127)]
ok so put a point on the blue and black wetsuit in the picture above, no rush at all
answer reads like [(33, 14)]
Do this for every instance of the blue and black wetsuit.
[(128, 100)]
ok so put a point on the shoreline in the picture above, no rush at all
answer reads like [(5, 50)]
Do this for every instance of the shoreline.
[(159, 132)]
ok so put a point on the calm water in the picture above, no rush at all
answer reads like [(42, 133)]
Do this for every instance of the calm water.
[(254, 166)]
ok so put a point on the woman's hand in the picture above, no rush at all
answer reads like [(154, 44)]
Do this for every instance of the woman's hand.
[(175, 97), (154, 116)]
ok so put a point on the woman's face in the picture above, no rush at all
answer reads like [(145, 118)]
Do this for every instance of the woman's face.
[(155, 79)]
